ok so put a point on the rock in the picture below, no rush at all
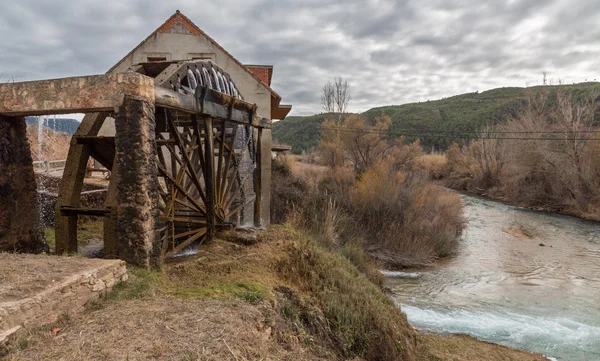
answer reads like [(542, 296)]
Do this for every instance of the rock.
[(542, 245)]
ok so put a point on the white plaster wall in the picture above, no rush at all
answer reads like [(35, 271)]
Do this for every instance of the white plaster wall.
[(180, 46)]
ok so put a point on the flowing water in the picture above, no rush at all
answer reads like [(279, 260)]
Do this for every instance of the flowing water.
[(503, 286)]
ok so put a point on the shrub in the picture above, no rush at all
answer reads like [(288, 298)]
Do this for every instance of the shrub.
[(555, 168), (434, 165), (287, 192), (407, 221)]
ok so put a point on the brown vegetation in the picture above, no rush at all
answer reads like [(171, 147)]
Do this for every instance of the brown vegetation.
[(434, 165), (557, 168), (408, 221), (282, 298), (384, 204)]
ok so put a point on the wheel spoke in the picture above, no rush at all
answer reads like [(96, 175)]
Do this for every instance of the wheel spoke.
[(186, 243)]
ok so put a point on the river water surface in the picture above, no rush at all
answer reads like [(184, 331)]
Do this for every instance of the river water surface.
[(504, 287)]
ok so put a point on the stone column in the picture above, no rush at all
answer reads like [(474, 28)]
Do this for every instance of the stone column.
[(137, 183), (20, 230)]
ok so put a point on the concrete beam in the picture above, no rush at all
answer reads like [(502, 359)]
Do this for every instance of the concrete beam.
[(87, 94)]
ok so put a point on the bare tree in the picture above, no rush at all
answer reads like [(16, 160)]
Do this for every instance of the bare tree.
[(365, 145), (327, 98), (334, 99), (545, 78), (336, 96), (342, 94)]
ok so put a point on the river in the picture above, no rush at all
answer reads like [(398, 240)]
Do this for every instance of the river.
[(503, 286)]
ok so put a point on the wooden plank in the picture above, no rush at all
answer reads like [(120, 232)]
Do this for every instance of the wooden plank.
[(259, 181), (71, 211), (85, 139), (101, 149), (209, 177)]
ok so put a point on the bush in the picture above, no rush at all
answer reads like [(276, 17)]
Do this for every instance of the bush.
[(287, 192), (398, 217), (434, 165), (407, 221), (556, 168)]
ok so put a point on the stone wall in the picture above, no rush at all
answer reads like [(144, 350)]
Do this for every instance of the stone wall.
[(66, 297), (19, 217)]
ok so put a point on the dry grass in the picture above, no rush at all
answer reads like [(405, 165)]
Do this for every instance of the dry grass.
[(358, 318), (234, 302), (312, 174), (283, 298)]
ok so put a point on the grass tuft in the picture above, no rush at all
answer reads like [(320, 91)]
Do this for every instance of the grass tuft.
[(354, 314)]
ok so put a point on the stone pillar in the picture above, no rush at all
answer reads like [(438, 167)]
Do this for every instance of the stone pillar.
[(20, 230), (137, 183)]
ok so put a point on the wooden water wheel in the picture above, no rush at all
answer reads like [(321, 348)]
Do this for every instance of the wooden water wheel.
[(206, 178)]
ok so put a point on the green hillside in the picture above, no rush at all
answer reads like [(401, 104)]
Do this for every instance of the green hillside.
[(302, 133), (436, 123)]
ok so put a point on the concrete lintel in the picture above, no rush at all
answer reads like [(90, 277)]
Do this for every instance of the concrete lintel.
[(86, 94)]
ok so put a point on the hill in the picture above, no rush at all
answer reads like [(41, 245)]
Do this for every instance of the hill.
[(436, 123), (62, 125), (302, 133), (55, 145)]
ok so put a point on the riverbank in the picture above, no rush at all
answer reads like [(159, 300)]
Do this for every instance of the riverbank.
[(284, 297), (506, 201)]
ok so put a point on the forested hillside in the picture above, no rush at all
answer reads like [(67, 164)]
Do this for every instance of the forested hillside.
[(436, 123)]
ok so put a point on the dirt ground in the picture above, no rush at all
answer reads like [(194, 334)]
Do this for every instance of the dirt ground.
[(223, 304), (24, 275)]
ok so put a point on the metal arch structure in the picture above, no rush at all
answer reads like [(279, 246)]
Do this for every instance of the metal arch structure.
[(185, 157)]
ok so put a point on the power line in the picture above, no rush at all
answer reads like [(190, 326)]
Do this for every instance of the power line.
[(459, 135), (465, 131)]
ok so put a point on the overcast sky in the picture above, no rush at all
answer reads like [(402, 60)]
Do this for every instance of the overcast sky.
[(391, 52)]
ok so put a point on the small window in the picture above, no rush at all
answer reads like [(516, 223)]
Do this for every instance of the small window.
[(201, 56), (154, 59)]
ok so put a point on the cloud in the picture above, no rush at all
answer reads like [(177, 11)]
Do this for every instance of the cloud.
[(391, 52)]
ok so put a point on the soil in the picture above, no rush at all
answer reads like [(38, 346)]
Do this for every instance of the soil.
[(24, 275)]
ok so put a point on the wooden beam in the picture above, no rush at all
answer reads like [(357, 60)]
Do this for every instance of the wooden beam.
[(97, 212), (212, 103), (72, 183), (209, 176), (258, 190)]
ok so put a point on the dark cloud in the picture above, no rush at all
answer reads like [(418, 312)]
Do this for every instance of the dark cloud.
[(391, 51)]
